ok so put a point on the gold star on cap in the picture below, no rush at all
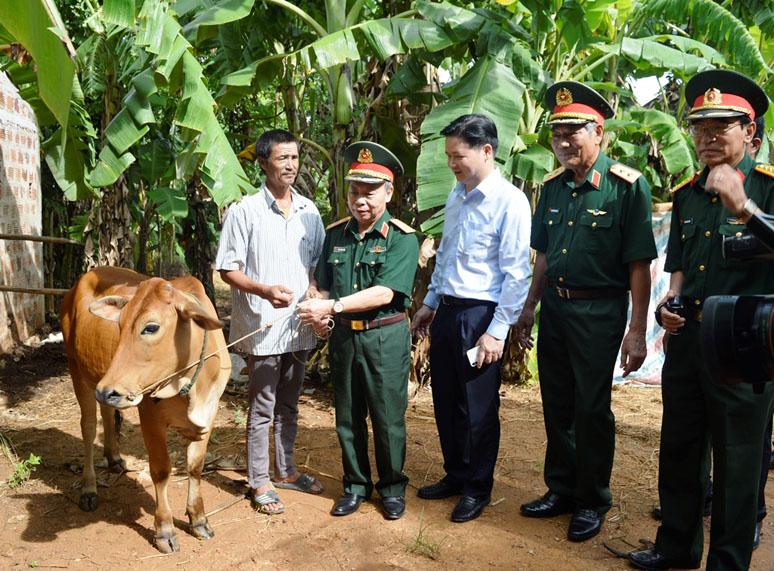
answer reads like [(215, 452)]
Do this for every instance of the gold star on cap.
[(365, 156), (712, 96), (563, 97)]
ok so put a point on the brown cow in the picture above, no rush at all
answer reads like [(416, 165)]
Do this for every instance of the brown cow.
[(124, 331)]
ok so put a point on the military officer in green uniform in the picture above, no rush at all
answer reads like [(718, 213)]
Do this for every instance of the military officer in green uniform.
[(699, 415), (365, 276), (594, 242)]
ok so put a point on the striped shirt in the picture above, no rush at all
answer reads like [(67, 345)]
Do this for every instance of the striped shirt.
[(271, 249)]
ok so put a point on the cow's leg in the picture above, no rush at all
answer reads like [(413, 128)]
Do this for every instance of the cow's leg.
[(88, 404), (154, 432), (111, 423), (200, 527)]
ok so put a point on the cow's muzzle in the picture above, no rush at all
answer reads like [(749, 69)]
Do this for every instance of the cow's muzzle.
[(113, 398)]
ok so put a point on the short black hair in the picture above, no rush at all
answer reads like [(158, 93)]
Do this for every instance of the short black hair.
[(760, 127), (270, 138), (475, 129)]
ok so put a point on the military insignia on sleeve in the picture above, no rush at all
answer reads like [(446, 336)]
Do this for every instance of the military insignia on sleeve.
[(402, 226), (338, 222), (553, 174), (365, 156), (765, 169), (627, 173), (596, 212)]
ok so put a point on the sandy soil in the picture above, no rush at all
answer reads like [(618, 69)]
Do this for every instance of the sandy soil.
[(41, 524)]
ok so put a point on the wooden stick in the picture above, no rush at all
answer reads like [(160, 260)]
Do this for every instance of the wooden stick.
[(47, 239), (224, 505), (36, 290)]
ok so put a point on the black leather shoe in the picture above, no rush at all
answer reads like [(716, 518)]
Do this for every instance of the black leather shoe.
[(347, 504), (549, 504), (648, 559), (468, 508), (584, 524), (394, 507), (439, 491), (757, 536)]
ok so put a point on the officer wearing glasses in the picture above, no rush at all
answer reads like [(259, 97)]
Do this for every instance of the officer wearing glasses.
[(699, 415)]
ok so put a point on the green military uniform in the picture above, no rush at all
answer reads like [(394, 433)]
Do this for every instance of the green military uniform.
[(589, 233), (695, 408), (370, 368)]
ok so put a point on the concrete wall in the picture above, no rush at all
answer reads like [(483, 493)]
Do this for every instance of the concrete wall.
[(21, 263)]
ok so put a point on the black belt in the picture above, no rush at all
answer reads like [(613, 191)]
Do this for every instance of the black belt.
[(596, 293), (451, 300), (362, 325)]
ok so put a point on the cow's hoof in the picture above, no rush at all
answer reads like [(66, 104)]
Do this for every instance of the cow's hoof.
[(88, 502), (117, 466), (167, 544), (202, 531)]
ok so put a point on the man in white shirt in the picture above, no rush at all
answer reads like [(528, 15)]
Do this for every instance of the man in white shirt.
[(267, 253)]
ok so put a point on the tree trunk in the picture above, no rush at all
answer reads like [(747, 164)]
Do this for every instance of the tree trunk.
[(198, 242)]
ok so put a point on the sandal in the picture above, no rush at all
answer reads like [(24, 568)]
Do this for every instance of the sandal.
[(260, 502), (303, 483)]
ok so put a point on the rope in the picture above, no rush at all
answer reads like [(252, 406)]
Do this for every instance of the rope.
[(185, 390)]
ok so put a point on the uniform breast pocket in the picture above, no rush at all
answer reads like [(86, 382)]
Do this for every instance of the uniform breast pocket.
[(476, 238), (597, 230), (372, 261), (687, 231), (552, 220), (339, 263)]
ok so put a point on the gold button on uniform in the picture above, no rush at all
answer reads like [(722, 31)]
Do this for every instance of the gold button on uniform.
[(561, 279), (354, 286), (715, 199), (696, 302), (593, 224), (569, 223), (564, 250), (574, 194), (701, 268), (357, 265), (372, 262), (335, 261), (550, 222), (738, 234), (707, 233), (360, 243)]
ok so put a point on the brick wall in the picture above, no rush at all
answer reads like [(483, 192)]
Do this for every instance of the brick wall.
[(21, 263)]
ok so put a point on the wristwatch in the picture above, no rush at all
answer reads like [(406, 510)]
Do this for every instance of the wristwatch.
[(338, 307)]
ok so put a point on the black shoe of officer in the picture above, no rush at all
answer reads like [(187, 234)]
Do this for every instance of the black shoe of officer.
[(549, 504), (394, 507), (584, 524), (348, 504), (648, 559)]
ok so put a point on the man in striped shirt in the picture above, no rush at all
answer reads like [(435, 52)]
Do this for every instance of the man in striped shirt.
[(267, 253)]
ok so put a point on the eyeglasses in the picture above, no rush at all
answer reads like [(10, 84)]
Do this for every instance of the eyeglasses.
[(698, 130), (574, 135)]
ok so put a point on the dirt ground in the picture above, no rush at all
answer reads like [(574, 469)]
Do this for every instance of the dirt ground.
[(42, 526)]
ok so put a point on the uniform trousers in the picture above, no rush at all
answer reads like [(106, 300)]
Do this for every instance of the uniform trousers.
[(275, 385), (732, 420), (578, 341), (466, 399), (370, 370)]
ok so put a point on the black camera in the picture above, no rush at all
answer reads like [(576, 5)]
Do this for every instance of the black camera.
[(737, 332)]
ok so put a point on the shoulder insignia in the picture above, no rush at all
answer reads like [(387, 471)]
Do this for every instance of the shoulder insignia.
[(338, 222), (402, 226), (627, 173), (765, 169), (680, 185), (553, 174)]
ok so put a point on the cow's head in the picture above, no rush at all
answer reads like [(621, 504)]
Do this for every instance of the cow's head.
[(162, 331)]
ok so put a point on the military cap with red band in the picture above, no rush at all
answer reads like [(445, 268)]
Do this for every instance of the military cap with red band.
[(573, 103), (371, 163), (719, 93)]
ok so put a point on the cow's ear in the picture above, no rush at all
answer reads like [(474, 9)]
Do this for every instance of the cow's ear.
[(109, 307), (192, 310)]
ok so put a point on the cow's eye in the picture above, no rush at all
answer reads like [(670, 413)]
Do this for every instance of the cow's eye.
[(150, 329)]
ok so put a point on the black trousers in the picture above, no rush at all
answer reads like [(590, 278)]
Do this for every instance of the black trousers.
[(466, 399)]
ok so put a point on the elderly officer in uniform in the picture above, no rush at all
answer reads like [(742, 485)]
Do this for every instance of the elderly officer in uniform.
[(365, 274), (593, 237), (697, 413)]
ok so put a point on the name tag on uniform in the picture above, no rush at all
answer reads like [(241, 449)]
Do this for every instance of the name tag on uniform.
[(553, 211), (686, 221), (339, 249), (377, 250)]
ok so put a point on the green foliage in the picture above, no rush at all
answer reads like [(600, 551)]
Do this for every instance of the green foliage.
[(22, 469), (423, 543)]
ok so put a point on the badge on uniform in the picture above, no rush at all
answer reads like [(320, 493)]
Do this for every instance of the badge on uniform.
[(596, 212), (686, 221), (553, 210), (339, 249), (377, 250), (734, 220)]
